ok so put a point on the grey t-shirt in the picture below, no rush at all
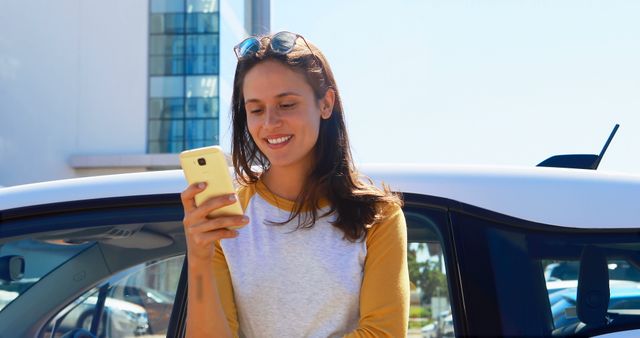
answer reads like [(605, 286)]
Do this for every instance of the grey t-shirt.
[(293, 283)]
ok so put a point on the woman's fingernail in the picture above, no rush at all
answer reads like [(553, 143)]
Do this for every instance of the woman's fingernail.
[(245, 219), (232, 198), (201, 185), (235, 233)]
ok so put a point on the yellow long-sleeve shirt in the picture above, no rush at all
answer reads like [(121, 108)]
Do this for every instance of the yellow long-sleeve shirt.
[(275, 281)]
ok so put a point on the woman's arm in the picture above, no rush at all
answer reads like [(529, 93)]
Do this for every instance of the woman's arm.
[(208, 282), (205, 313), (384, 295), (225, 289)]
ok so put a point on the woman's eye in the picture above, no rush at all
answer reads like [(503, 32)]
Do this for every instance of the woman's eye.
[(287, 105), (255, 111)]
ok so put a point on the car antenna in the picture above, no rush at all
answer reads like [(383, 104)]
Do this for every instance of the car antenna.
[(606, 145), (579, 161)]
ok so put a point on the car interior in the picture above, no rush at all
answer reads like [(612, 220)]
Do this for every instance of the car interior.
[(95, 255)]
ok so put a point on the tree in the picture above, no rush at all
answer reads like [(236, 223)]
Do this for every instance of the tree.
[(427, 275)]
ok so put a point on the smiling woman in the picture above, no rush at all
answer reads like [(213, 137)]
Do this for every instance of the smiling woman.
[(314, 235), (282, 111)]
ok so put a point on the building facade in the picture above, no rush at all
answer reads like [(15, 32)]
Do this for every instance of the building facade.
[(183, 75), (90, 88)]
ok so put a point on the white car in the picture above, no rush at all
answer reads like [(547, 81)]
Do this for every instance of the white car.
[(441, 327), (121, 318), (497, 227)]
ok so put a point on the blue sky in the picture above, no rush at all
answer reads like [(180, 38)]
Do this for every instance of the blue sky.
[(480, 82)]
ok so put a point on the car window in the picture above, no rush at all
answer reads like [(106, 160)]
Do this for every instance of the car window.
[(624, 289), (551, 280), (430, 309), (40, 258), (136, 302)]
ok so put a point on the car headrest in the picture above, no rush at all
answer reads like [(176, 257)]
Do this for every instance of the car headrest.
[(593, 287)]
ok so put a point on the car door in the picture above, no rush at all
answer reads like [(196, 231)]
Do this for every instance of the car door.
[(502, 261), (78, 254)]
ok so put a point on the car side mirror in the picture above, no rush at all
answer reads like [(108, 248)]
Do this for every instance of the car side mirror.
[(11, 268)]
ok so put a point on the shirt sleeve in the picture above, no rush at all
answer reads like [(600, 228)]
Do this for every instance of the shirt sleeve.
[(222, 274), (225, 288), (384, 294)]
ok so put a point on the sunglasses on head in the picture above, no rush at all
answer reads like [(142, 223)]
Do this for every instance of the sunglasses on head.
[(281, 43)]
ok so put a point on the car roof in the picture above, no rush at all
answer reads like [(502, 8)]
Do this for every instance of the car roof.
[(555, 196)]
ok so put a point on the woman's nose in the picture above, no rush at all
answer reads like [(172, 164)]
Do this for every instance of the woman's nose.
[(272, 118)]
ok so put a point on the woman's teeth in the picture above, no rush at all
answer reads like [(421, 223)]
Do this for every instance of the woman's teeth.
[(278, 140)]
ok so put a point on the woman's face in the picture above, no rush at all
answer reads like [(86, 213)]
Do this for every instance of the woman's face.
[(283, 115)]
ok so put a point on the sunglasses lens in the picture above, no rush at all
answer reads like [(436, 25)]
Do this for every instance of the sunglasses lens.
[(283, 42), (248, 47)]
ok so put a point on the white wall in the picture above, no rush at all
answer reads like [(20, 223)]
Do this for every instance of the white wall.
[(73, 80), (232, 31)]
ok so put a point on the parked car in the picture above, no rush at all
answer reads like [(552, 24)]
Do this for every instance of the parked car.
[(118, 318), (568, 270), (495, 227), (557, 292), (561, 271), (620, 302), (554, 287), (156, 305), (442, 327)]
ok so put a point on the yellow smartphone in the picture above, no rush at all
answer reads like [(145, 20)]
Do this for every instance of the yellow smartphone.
[(208, 165)]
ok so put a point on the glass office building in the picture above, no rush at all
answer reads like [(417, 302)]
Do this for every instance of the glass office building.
[(183, 110)]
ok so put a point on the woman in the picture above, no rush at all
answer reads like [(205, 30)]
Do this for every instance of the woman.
[(320, 253)]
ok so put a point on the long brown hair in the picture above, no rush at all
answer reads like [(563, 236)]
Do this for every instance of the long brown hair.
[(358, 204)]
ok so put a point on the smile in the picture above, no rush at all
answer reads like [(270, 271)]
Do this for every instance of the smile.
[(279, 140)]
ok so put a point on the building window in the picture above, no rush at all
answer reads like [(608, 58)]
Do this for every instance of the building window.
[(183, 75)]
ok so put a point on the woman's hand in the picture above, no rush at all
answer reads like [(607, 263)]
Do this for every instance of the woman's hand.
[(202, 231)]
